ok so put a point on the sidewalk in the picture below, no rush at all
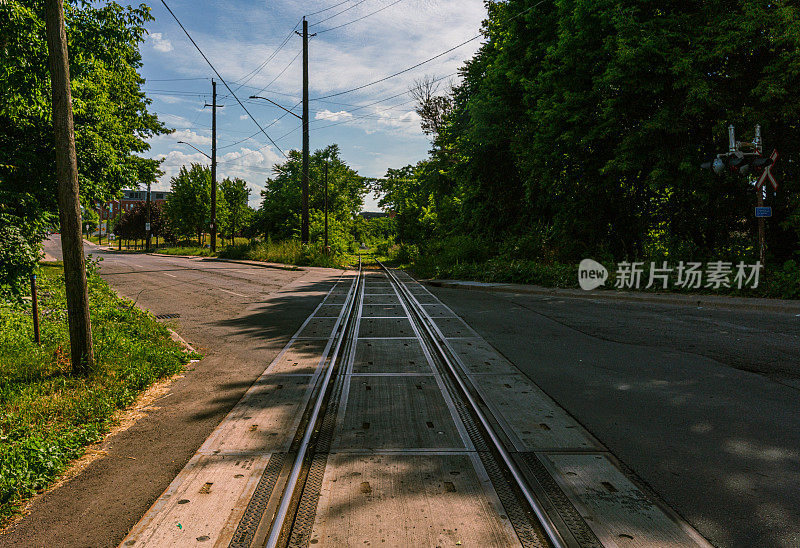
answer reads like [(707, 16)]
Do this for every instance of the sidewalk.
[(704, 301)]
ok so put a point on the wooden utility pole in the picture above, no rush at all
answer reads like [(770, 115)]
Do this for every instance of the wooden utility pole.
[(69, 208), (304, 229), (148, 227), (213, 165), (326, 206), (35, 310)]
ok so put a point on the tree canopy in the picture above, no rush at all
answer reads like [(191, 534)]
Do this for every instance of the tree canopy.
[(111, 116), (580, 126), (279, 215)]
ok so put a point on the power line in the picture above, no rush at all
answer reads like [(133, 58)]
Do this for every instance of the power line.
[(257, 132), (422, 62), (221, 78), (280, 73), (360, 18), (338, 13), (374, 115), (399, 72), (176, 79), (326, 9), (250, 75)]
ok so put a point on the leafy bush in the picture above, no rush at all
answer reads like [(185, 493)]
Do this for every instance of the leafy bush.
[(290, 252), (784, 283), (48, 415)]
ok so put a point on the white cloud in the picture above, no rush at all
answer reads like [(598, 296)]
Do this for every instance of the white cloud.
[(189, 136), (159, 43), (332, 116)]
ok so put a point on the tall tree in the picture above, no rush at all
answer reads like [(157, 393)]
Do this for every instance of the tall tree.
[(279, 215), (236, 195), (111, 117), (189, 203)]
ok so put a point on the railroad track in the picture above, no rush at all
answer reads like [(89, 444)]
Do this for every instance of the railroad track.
[(410, 431)]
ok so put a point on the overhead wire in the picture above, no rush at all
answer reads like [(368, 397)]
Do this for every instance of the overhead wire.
[(398, 73), (338, 13), (280, 73), (328, 8), (221, 78), (360, 18), (250, 75)]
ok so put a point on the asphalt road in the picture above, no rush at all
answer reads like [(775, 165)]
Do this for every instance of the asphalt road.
[(702, 404), (239, 317)]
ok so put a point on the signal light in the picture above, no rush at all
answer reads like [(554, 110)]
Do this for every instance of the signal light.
[(737, 163)]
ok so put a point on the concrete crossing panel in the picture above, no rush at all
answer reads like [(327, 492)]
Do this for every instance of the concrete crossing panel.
[(385, 327), (390, 356), (408, 500), (616, 510), (264, 420), (301, 358), (396, 413), (479, 358), (202, 505)]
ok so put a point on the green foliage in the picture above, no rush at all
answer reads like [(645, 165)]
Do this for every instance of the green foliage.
[(579, 127), (784, 283), (279, 214), (289, 252), (47, 415), (188, 206), (111, 119), (22, 229), (186, 250), (237, 211), (132, 223)]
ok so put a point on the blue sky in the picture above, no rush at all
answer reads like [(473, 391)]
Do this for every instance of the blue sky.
[(238, 36)]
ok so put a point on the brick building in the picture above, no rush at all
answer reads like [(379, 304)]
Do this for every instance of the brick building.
[(127, 202)]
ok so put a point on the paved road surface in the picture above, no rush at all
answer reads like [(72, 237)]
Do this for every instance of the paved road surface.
[(704, 405), (239, 317)]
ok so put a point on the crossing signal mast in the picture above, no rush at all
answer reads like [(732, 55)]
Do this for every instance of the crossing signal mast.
[(742, 158), (745, 158)]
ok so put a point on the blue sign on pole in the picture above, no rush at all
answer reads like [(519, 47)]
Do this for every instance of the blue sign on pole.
[(763, 212)]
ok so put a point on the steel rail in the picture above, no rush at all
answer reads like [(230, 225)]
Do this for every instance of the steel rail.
[(547, 524), (279, 520)]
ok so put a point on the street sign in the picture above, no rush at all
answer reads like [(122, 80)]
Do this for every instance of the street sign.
[(768, 173), (147, 227), (763, 212)]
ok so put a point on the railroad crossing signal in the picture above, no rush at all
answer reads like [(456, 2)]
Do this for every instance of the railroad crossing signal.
[(768, 173), (742, 158)]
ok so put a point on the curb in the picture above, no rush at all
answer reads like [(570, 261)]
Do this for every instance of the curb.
[(188, 348), (276, 266), (700, 301)]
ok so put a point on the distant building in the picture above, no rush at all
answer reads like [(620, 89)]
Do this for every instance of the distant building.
[(129, 200), (369, 215)]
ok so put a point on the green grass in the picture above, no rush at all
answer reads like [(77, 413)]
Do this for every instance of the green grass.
[(196, 251), (47, 415), (284, 252), (461, 263)]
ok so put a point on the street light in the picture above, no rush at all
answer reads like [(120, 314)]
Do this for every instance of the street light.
[(277, 105), (194, 147)]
